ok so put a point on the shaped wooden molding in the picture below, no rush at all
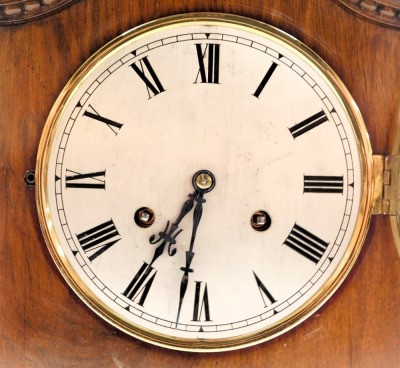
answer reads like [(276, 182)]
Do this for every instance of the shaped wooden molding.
[(383, 11), (22, 11)]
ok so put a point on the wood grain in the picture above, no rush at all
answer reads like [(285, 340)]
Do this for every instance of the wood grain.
[(43, 324)]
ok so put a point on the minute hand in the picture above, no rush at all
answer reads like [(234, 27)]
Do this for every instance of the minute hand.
[(198, 212)]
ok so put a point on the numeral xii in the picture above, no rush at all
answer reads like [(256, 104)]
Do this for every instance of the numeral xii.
[(211, 56)]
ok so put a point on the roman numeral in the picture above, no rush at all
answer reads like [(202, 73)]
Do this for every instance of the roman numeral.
[(306, 243), (201, 304), (94, 180), (140, 285), (323, 184), (211, 55), (153, 84), (265, 80), (98, 239), (113, 125), (266, 296), (308, 124)]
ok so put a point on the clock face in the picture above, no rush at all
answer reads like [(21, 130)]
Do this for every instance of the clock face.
[(203, 182)]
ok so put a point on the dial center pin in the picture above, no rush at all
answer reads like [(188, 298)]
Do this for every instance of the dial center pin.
[(204, 181)]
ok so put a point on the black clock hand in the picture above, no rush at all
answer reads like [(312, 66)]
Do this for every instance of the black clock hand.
[(166, 237), (203, 182), (198, 211)]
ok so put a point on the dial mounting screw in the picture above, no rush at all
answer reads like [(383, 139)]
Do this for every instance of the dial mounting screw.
[(144, 217), (260, 221)]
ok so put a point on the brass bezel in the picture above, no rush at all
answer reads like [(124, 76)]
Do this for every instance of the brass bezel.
[(334, 281)]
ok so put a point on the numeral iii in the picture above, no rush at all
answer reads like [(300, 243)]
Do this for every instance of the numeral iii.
[(323, 184)]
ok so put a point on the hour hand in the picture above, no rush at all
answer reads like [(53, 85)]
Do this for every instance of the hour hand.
[(169, 235)]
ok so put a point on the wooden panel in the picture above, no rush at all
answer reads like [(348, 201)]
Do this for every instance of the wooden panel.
[(43, 324)]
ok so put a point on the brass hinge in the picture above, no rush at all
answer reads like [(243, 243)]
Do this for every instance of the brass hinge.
[(386, 183)]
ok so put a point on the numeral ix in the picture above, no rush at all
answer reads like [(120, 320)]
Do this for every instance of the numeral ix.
[(94, 180)]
